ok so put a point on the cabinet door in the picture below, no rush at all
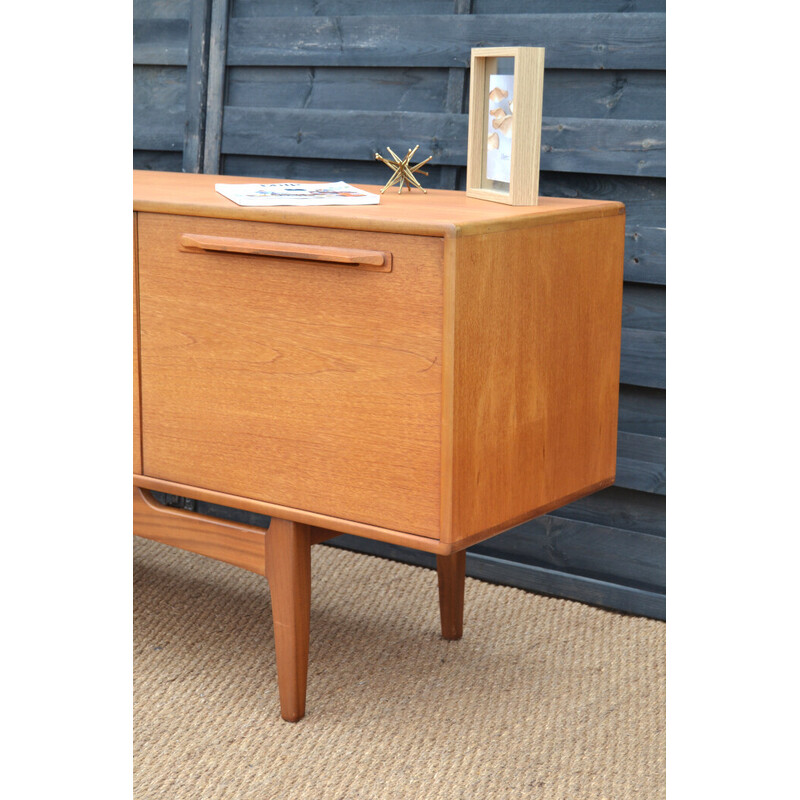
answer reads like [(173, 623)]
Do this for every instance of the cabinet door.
[(273, 371)]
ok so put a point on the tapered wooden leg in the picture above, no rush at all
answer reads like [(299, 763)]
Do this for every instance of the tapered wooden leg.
[(288, 570), (452, 571)]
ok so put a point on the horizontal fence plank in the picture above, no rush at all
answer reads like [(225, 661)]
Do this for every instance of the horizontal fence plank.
[(583, 548), (560, 6), (616, 507), (318, 169), (645, 250), (159, 87), (158, 160), (627, 599), (572, 41), (357, 135), (643, 361), (159, 128), (642, 410), (163, 9), (641, 462), (161, 41), (627, 189), (644, 197), (338, 88), (614, 147), (613, 596), (332, 8), (645, 209), (644, 307), (593, 94), (604, 94), (624, 147)]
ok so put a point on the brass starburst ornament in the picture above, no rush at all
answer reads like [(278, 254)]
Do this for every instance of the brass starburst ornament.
[(403, 172)]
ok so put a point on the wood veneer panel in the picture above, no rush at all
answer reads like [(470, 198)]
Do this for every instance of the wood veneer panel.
[(320, 521), (293, 382), (137, 412), (231, 542), (536, 370), (433, 214)]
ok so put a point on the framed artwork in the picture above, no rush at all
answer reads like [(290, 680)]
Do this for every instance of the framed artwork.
[(505, 124)]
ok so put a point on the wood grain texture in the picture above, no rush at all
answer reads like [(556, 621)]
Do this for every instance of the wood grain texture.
[(350, 256), (292, 382), (196, 85), (536, 369), (585, 94), (621, 508), (158, 87), (137, 397), (454, 100), (217, 54), (641, 462), (536, 578), (161, 41), (288, 570), (604, 94), (642, 410), (159, 129), (523, 188), (626, 147), (297, 389), (436, 213), (595, 551), (575, 97), (329, 8), (231, 542), (644, 307), (560, 6), (644, 355), (645, 209), (527, 139), (319, 535), (531, 577), (588, 41), (451, 574), (396, 538)]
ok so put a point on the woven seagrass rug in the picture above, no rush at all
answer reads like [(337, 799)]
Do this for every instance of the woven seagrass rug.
[(542, 698)]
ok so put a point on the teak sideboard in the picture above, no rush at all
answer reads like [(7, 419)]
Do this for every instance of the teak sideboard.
[(428, 372)]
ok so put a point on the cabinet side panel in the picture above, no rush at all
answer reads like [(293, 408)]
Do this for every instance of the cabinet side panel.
[(537, 347), (137, 415)]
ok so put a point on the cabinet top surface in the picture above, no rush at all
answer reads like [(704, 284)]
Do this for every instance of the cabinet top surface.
[(440, 212)]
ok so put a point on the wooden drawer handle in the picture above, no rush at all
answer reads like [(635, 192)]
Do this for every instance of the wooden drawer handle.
[(374, 260)]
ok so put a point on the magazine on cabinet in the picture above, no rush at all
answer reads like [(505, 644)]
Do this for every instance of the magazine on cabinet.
[(296, 194)]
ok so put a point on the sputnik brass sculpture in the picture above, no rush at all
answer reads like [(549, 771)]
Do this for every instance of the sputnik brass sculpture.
[(402, 171)]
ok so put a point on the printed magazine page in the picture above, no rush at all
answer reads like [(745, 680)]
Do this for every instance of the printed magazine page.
[(296, 194)]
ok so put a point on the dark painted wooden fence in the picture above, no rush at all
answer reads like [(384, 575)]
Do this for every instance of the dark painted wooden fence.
[(277, 89)]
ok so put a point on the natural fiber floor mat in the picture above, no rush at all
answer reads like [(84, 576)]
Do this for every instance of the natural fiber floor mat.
[(542, 698)]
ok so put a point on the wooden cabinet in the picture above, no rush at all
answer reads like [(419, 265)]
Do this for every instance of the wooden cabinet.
[(428, 371)]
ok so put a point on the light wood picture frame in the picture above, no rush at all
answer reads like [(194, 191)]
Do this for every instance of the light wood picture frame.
[(505, 124)]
